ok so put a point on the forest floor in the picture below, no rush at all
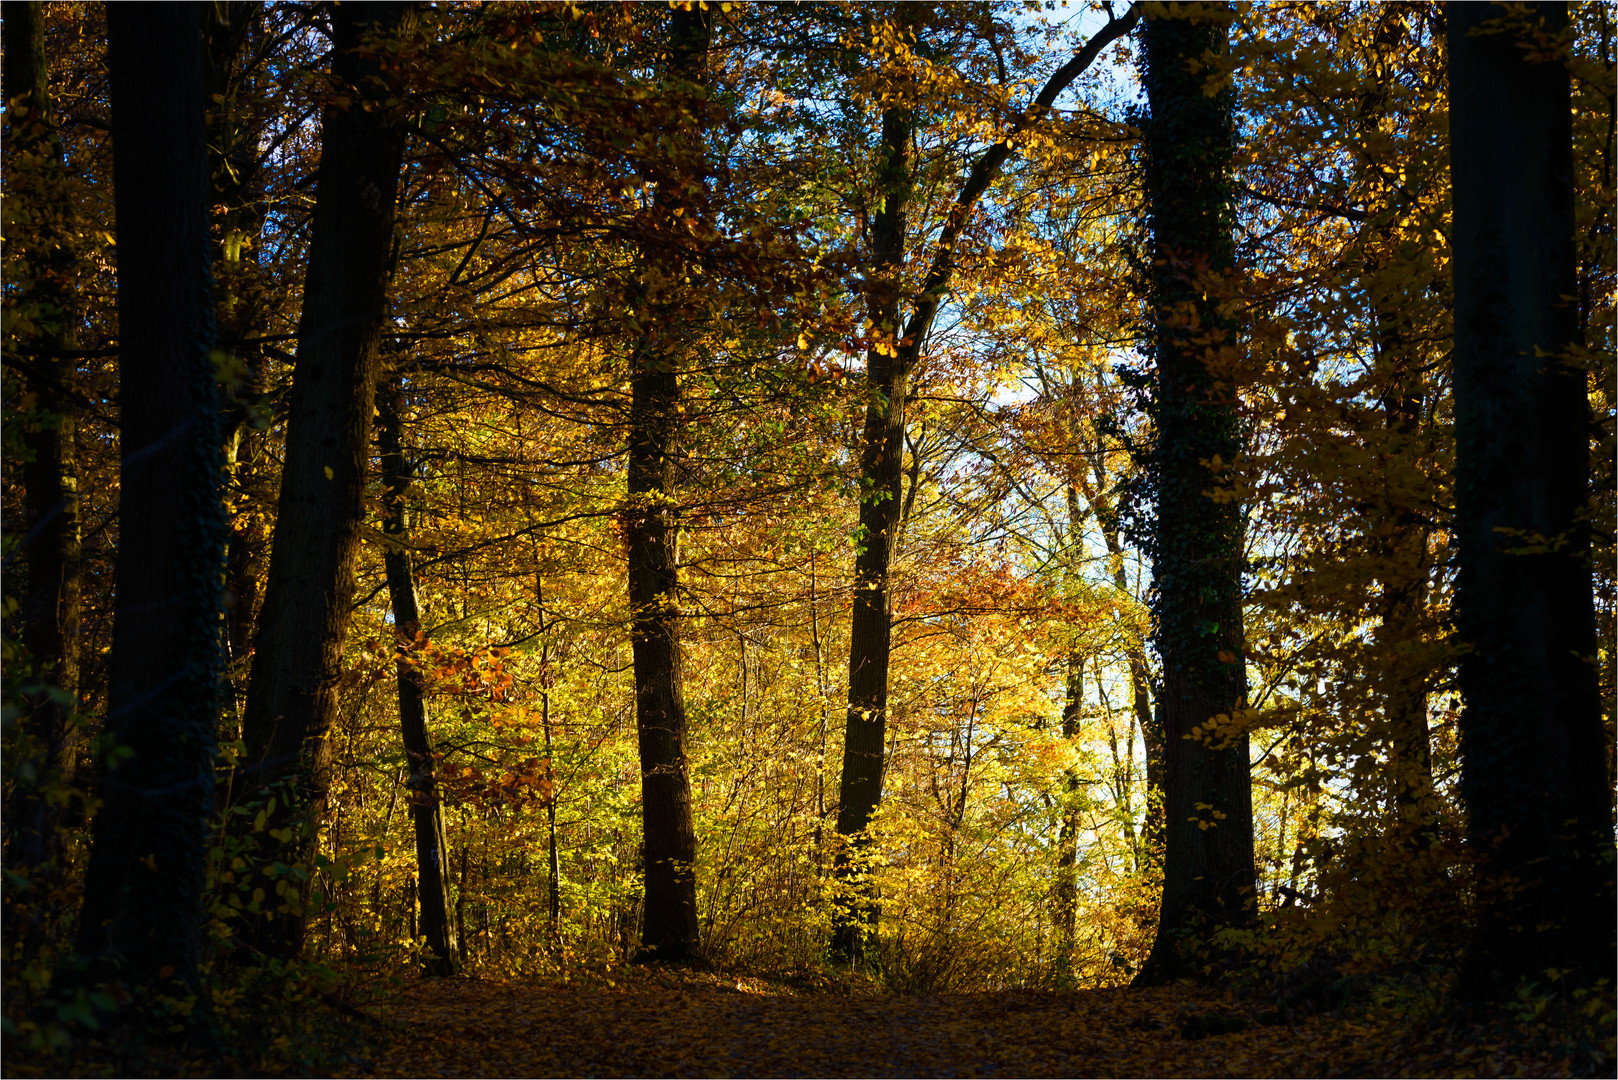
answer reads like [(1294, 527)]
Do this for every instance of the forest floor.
[(664, 1023)]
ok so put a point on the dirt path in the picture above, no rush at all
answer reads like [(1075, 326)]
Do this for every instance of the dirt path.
[(713, 1026)]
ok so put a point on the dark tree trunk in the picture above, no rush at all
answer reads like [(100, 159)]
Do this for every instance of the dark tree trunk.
[(1401, 546), (1208, 875), (1140, 682), (670, 930), (426, 809), (50, 615), (1533, 775), (887, 379), (1151, 736), (142, 915), (547, 679), (1067, 841), (229, 31), (292, 692), (894, 352), (1401, 632)]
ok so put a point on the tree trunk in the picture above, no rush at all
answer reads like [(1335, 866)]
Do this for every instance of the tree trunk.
[(670, 930), (1196, 544), (1533, 774), (1140, 682), (887, 378), (238, 225), (547, 679), (50, 617), (1406, 670), (894, 353), (426, 808), (292, 691), (1401, 633), (1067, 843), (142, 914)]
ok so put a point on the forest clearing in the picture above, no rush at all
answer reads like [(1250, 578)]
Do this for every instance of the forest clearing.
[(862, 538)]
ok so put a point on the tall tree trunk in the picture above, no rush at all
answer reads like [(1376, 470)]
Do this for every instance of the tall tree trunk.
[(1402, 548), (1532, 746), (230, 29), (1067, 842), (887, 379), (1400, 635), (50, 623), (670, 929), (1140, 682), (547, 679), (426, 807), (292, 691), (895, 351), (1208, 873), (142, 914)]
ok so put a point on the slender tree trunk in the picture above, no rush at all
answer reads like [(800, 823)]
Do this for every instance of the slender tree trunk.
[(460, 907), (1140, 682), (1197, 541), (1151, 735), (895, 351), (1533, 774), (553, 904), (50, 623), (887, 379), (426, 807), (670, 931), (1067, 843), (142, 914), (292, 691), (229, 30), (1401, 633), (547, 679), (1402, 550)]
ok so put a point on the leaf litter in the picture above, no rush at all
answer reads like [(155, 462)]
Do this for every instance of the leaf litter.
[(691, 1024)]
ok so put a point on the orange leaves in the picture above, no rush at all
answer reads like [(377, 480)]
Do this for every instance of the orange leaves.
[(527, 782), (454, 670), (644, 1022)]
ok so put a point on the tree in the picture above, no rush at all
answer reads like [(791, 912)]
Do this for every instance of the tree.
[(232, 34), (142, 915), (426, 800), (669, 853), (1196, 540), (291, 697), (1532, 745), (51, 608), (881, 465), (897, 336), (1402, 549)]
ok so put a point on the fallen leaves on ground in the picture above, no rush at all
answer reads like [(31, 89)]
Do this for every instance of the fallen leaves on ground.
[(682, 1024)]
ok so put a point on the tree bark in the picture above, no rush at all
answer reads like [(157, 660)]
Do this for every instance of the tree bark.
[(1532, 746), (1067, 842), (670, 929), (547, 679), (426, 807), (1140, 682), (1208, 877), (887, 378), (50, 622), (1401, 547), (236, 185), (142, 915), (292, 690)]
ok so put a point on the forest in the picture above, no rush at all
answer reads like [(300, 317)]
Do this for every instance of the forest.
[(858, 538)]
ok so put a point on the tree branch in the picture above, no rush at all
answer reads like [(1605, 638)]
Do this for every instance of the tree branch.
[(983, 174)]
